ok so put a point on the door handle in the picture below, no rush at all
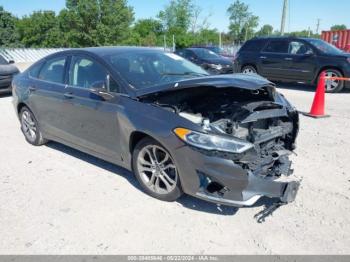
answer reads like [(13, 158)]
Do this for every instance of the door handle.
[(288, 59), (68, 95), (263, 57), (32, 88)]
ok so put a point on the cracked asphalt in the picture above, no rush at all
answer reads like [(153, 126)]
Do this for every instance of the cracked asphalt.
[(56, 200)]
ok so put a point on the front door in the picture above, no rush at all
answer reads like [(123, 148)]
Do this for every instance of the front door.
[(302, 61), (92, 120)]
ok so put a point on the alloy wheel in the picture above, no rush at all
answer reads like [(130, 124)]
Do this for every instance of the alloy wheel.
[(331, 85), (157, 169), (29, 126)]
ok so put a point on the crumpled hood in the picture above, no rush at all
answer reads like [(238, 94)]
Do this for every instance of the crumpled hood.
[(243, 81)]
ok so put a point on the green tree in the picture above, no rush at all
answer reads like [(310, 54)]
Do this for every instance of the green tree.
[(149, 32), (96, 22), (265, 30), (8, 34), (338, 27), (176, 17), (40, 29), (242, 22)]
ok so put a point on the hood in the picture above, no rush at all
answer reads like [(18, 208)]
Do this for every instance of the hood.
[(243, 81), (218, 61)]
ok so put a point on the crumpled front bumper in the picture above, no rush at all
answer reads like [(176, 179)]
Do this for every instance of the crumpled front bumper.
[(201, 173)]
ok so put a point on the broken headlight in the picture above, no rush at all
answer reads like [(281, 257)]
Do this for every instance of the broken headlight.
[(212, 142)]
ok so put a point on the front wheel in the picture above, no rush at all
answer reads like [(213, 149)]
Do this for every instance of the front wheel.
[(156, 171), (333, 86)]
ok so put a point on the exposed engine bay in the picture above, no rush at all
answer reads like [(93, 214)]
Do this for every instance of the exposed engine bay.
[(250, 115)]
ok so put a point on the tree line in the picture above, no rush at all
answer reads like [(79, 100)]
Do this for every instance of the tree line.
[(85, 23)]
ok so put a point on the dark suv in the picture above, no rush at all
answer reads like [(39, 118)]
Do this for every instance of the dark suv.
[(298, 60)]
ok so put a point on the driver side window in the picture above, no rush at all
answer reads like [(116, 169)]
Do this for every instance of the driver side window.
[(87, 73), (299, 48)]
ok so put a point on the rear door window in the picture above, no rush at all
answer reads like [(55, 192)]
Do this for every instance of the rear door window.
[(253, 45), (277, 46), (53, 70)]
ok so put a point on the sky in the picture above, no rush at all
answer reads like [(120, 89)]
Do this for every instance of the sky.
[(303, 13)]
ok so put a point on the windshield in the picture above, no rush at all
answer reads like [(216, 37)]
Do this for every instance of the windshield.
[(325, 47), (215, 49), (151, 68), (205, 53)]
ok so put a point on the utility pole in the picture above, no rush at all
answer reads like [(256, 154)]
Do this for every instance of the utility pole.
[(220, 40), (284, 16), (165, 43), (318, 25), (174, 45)]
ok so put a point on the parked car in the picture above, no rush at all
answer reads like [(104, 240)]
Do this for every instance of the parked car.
[(217, 50), (225, 139), (294, 60), (7, 71), (208, 60)]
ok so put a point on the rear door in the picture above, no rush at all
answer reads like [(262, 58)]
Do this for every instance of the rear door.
[(92, 120), (302, 61), (46, 88), (273, 59)]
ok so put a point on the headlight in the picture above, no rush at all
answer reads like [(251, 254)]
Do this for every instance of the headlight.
[(212, 142), (217, 67)]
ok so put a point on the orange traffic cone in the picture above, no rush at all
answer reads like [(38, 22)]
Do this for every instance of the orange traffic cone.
[(317, 108)]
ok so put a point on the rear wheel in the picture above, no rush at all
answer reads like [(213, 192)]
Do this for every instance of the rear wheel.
[(333, 86), (156, 171), (30, 128), (249, 70)]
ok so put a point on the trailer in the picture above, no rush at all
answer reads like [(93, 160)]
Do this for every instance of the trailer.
[(339, 38)]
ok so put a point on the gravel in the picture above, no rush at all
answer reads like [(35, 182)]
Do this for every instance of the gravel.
[(56, 200)]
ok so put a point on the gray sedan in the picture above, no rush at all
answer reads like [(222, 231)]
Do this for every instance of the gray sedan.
[(225, 139)]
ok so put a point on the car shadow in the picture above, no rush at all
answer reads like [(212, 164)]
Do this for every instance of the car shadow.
[(186, 201)]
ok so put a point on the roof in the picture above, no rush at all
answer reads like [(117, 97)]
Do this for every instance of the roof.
[(102, 51), (283, 37)]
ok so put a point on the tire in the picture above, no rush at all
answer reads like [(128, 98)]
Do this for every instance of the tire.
[(30, 128), (333, 86), (149, 170), (249, 70)]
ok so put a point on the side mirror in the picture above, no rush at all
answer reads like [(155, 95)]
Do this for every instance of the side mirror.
[(309, 53), (11, 61), (100, 89), (101, 93)]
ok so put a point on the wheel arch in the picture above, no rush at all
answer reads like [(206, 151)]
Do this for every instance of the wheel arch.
[(325, 68), (135, 137), (20, 106)]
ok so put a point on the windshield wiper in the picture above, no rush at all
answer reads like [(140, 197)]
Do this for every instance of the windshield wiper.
[(183, 74)]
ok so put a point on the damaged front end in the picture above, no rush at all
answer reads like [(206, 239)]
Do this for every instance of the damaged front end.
[(258, 128)]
